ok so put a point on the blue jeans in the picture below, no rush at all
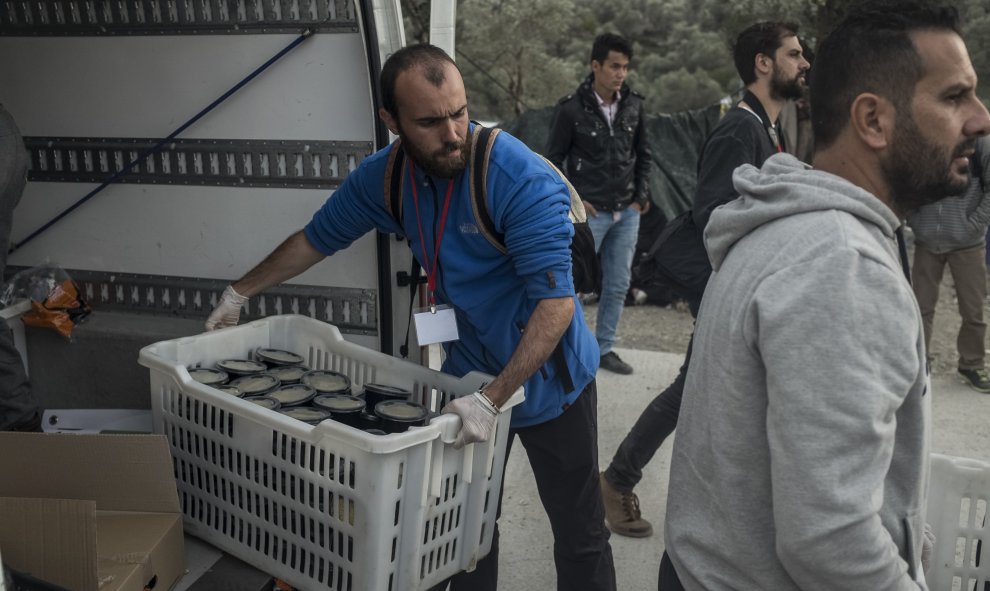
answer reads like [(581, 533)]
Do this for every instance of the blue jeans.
[(615, 242)]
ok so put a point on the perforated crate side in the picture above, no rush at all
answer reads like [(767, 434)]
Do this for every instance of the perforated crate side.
[(959, 489), (306, 503), (318, 514)]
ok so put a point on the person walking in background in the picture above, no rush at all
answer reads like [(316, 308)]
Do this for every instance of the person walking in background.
[(514, 310), (598, 138), (801, 456), (952, 231), (769, 59), (20, 410)]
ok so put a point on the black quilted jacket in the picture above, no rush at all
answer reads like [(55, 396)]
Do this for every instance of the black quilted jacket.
[(608, 167)]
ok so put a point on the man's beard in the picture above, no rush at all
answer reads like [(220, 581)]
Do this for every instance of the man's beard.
[(438, 165), (781, 88), (919, 172)]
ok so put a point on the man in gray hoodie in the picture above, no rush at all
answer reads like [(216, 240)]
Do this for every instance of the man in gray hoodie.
[(802, 448), (952, 231)]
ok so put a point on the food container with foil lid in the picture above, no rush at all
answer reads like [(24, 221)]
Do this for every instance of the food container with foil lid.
[(208, 376), (342, 408), (241, 367), (265, 402), (277, 357), (230, 389), (293, 394), (288, 374), (306, 414), (367, 420), (375, 393), (411, 469), (256, 385), (325, 381), (399, 415)]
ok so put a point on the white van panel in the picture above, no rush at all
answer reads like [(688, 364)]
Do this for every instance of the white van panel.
[(148, 86), (188, 231)]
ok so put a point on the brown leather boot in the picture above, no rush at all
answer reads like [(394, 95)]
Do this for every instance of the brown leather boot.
[(622, 514)]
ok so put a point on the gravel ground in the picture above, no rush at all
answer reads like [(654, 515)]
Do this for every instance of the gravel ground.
[(668, 329)]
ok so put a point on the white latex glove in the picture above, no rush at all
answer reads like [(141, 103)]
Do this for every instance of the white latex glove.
[(228, 310), (927, 548), (477, 418)]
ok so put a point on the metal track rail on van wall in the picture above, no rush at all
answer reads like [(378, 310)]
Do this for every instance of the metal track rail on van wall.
[(171, 17)]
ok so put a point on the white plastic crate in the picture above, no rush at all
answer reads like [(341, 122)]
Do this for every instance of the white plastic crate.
[(958, 493), (326, 506)]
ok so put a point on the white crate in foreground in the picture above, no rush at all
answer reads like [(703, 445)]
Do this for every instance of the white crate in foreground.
[(326, 506), (958, 493)]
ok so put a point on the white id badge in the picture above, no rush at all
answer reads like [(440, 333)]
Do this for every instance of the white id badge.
[(435, 327)]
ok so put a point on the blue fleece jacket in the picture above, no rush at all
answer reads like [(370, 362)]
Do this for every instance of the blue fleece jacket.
[(493, 294)]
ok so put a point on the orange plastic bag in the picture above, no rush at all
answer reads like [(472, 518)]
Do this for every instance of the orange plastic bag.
[(55, 299), (61, 310)]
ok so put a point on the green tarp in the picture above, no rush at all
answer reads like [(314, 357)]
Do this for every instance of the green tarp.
[(676, 140)]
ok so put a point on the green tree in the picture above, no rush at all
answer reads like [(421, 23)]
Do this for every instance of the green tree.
[(524, 54), (976, 31), (509, 52), (683, 90), (416, 19)]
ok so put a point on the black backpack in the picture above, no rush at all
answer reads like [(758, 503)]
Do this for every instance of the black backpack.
[(584, 260)]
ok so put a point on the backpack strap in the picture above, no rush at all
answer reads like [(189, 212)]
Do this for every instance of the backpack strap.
[(393, 181), (393, 205), (485, 137), (578, 213), (482, 142)]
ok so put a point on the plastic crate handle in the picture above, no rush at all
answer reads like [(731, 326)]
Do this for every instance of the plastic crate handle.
[(449, 424), (436, 469)]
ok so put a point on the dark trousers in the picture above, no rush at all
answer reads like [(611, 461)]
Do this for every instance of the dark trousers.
[(563, 453), (668, 576), (653, 426), (19, 409), (657, 421)]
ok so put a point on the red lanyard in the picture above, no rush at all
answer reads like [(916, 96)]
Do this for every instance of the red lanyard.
[(431, 265)]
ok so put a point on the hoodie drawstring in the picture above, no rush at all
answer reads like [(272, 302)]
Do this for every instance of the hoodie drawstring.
[(902, 248)]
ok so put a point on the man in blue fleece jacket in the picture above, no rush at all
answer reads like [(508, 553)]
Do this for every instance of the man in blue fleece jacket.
[(516, 312)]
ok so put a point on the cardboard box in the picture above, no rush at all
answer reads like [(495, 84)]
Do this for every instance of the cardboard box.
[(91, 512)]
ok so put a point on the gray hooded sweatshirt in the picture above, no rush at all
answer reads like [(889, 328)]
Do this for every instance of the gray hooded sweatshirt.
[(801, 456)]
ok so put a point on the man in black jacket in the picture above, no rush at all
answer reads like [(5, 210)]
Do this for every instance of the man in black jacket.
[(771, 63), (598, 138)]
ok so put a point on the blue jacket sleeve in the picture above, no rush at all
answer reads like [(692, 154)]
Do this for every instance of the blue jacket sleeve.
[(532, 216), (353, 210)]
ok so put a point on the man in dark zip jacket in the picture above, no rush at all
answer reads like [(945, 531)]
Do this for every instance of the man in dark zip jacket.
[(598, 138), (770, 62)]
